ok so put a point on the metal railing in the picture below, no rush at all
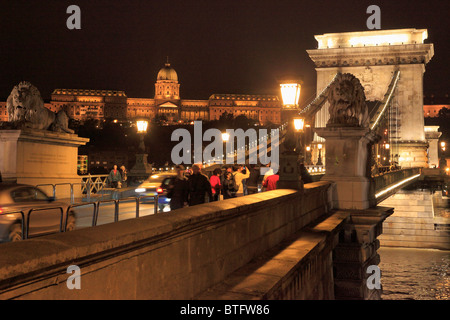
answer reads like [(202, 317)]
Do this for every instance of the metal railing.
[(89, 185), (25, 214), (93, 184), (389, 179)]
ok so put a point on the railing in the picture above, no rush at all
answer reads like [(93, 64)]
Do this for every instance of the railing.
[(386, 183), (89, 185), (70, 185), (25, 214), (93, 184)]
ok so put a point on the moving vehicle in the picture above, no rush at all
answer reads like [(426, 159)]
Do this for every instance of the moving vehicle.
[(45, 215), (157, 185)]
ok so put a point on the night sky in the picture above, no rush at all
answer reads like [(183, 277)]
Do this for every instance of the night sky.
[(227, 46)]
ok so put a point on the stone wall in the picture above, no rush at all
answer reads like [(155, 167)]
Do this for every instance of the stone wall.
[(174, 255)]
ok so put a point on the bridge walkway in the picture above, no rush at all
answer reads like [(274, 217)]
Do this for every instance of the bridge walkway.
[(279, 273)]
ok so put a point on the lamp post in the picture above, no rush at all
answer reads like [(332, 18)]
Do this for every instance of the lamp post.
[(308, 156), (443, 160), (289, 171), (299, 125), (290, 94), (319, 160), (142, 126), (225, 139), (142, 169)]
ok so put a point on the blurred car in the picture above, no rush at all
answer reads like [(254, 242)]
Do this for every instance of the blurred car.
[(157, 184), (44, 219)]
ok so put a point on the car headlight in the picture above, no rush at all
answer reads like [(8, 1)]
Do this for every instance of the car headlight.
[(139, 190)]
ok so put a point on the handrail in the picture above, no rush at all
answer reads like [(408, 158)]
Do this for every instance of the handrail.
[(26, 234), (64, 214), (386, 182)]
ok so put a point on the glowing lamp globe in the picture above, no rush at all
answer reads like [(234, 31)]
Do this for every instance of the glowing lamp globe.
[(299, 124), (225, 137), (290, 93), (142, 126)]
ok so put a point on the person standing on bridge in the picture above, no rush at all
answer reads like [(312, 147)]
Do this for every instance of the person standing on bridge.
[(238, 177), (252, 181), (115, 177), (123, 173), (178, 191), (271, 182), (216, 186), (199, 186)]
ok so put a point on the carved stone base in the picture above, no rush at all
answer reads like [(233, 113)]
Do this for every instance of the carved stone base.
[(141, 170), (38, 157), (347, 154), (356, 251), (290, 177)]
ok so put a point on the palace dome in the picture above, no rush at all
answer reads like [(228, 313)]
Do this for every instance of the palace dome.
[(167, 73)]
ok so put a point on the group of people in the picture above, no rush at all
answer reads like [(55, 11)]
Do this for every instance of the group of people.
[(118, 177), (192, 187)]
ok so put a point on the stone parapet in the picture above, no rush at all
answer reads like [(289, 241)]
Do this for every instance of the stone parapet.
[(174, 255)]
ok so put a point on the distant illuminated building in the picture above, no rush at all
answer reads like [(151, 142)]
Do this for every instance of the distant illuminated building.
[(432, 111), (166, 104)]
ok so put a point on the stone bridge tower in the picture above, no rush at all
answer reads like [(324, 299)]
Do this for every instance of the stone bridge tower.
[(373, 57)]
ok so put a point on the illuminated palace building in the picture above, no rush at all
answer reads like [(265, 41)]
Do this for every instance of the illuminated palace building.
[(166, 104)]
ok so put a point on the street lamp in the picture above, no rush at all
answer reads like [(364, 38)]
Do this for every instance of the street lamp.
[(225, 137), (142, 126), (290, 176), (319, 160), (142, 169), (308, 156), (443, 160), (299, 124), (290, 93)]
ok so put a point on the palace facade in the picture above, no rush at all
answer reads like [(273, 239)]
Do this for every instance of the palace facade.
[(166, 104)]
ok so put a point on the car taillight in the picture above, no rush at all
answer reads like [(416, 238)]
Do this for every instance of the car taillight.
[(159, 190), (1, 210)]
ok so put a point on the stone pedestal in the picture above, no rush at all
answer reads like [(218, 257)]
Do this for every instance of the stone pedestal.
[(290, 176), (39, 157), (356, 252), (141, 170), (347, 165)]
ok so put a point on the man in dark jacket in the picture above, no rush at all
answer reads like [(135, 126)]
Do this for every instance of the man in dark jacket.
[(199, 186), (178, 191), (252, 181)]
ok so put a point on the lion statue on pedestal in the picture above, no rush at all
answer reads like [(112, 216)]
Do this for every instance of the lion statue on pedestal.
[(26, 110), (347, 102)]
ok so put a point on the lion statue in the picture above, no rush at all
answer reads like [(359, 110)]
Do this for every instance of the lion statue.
[(347, 102), (26, 109)]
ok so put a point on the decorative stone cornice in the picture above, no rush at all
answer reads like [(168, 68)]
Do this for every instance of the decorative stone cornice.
[(372, 55)]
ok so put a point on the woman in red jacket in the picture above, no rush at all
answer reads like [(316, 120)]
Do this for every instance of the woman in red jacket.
[(215, 184)]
